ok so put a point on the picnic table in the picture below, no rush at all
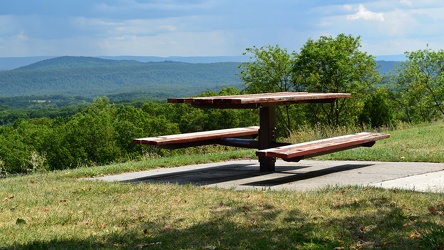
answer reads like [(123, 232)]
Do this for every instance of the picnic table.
[(268, 147)]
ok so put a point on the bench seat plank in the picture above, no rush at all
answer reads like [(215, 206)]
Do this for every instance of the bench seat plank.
[(296, 152), (198, 138)]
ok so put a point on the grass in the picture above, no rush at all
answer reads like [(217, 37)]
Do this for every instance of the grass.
[(56, 210)]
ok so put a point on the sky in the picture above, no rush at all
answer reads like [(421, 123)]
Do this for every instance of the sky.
[(212, 27)]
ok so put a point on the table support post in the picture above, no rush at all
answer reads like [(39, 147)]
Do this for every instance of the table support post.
[(267, 136)]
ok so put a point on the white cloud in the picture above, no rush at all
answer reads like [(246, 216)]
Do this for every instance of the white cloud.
[(138, 27), (399, 23), (347, 7), (167, 44), (365, 14), (154, 8), (406, 2), (22, 36), (212, 27)]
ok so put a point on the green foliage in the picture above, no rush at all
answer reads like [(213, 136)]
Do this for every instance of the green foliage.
[(326, 65), (420, 85), (20, 144), (335, 65), (13, 150), (60, 153), (378, 109), (91, 132), (36, 103), (10, 114), (103, 132), (271, 71), (210, 119)]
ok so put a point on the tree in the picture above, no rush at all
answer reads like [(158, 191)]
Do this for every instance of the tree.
[(91, 136), (335, 65), (271, 71), (14, 152), (378, 109), (420, 84)]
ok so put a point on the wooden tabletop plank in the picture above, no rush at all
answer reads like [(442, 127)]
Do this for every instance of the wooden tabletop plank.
[(254, 100)]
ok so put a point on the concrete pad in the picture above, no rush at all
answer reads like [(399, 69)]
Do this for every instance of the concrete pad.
[(300, 176), (429, 182)]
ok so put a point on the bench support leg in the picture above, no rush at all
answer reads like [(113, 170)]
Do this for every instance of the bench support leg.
[(267, 137)]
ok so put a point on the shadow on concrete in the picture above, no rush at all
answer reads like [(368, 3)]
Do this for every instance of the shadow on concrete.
[(294, 177), (224, 173), (207, 176)]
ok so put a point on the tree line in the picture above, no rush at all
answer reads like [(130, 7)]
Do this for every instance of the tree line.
[(101, 133)]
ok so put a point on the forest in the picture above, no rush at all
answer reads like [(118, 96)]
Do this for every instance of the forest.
[(101, 132)]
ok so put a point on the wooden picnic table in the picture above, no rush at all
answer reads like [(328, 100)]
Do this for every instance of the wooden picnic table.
[(267, 147), (267, 104)]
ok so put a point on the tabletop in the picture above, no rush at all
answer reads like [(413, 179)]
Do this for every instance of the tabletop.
[(259, 100)]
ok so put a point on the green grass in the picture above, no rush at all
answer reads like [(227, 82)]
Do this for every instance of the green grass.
[(57, 210)]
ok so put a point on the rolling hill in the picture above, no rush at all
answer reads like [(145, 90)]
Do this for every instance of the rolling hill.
[(92, 77)]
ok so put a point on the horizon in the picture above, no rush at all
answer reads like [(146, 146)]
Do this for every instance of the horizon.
[(173, 56), (207, 28), (11, 63)]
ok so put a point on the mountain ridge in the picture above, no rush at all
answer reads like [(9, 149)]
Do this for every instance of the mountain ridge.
[(92, 76), (8, 63), (73, 62)]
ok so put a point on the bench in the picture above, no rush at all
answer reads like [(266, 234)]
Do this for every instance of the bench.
[(297, 152), (199, 138)]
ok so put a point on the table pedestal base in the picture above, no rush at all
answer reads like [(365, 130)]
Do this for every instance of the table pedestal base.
[(267, 136), (267, 164)]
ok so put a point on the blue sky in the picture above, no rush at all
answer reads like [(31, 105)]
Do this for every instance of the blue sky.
[(212, 27)]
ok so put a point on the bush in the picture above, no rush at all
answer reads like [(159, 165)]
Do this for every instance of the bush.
[(377, 111)]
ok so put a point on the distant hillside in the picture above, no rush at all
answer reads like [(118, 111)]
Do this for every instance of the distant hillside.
[(92, 77), (71, 62), (187, 59), (8, 63), (387, 66)]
